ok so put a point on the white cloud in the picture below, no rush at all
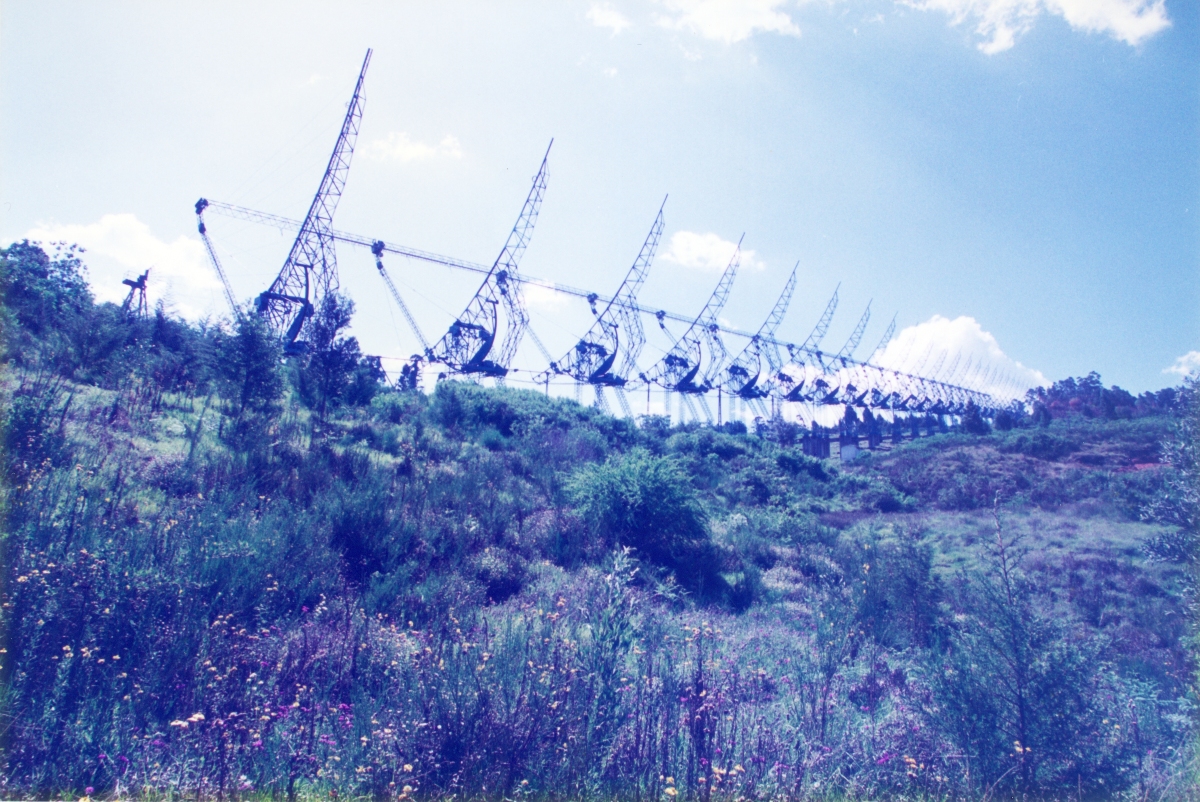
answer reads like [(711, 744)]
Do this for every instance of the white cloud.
[(706, 252), (611, 72), (546, 299), (1000, 22), (120, 246), (938, 341), (1130, 21), (1186, 365), (603, 15), (397, 146), (728, 21)]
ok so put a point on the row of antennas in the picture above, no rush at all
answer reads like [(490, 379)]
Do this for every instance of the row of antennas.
[(483, 340)]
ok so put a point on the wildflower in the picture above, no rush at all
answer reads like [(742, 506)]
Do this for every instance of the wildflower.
[(408, 767), (670, 791), (196, 718)]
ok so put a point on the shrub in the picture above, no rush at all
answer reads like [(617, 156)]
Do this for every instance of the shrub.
[(1041, 445), (647, 503)]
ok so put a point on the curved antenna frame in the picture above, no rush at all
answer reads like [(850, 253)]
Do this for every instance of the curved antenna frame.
[(593, 359), (742, 377), (467, 347), (310, 271), (680, 369)]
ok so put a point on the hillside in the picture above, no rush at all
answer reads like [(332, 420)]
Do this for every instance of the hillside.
[(225, 574)]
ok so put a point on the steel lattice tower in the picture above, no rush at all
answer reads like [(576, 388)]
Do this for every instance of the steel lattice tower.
[(684, 369), (593, 360), (310, 272), (467, 347), (744, 377)]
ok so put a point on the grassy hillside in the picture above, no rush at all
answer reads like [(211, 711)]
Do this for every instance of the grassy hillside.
[(229, 575)]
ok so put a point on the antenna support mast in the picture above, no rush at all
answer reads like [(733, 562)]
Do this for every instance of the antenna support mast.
[(680, 370), (310, 272), (742, 377), (593, 360), (467, 347)]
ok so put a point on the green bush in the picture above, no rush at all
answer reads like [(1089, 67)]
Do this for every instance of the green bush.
[(1041, 445), (647, 503)]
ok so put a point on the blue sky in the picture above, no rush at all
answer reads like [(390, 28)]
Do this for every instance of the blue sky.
[(1015, 179)]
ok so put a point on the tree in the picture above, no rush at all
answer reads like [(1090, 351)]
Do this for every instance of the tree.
[(1011, 416), (248, 366), (410, 374), (42, 292), (335, 371), (850, 418), (1088, 396), (972, 420), (47, 305), (366, 379), (657, 427)]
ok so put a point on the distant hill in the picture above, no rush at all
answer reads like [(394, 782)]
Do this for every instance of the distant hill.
[(230, 574)]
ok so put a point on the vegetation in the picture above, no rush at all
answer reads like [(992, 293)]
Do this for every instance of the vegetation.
[(229, 575)]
